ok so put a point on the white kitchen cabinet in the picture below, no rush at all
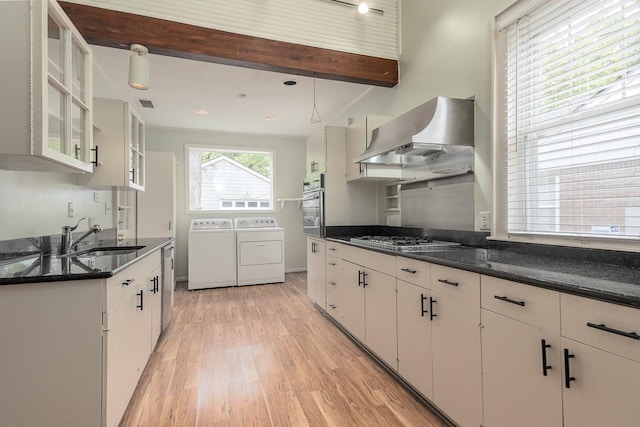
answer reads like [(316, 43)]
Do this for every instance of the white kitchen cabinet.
[(521, 356), (358, 140), (47, 87), (74, 351), (119, 137), (601, 366), (156, 213), (369, 308), (334, 280), (316, 154), (455, 329), (316, 263), (414, 336)]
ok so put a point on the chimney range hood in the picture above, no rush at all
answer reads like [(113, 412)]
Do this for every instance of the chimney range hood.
[(441, 125)]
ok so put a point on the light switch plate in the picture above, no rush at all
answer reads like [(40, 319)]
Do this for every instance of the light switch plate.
[(70, 210)]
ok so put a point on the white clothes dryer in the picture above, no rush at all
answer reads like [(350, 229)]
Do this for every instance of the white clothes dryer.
[(212, 254), (260, 251)]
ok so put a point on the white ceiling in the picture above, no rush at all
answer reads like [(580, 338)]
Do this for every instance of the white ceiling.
[(178, 87)]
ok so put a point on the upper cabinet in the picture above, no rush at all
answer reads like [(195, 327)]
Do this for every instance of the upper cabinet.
[(358, 140), (119, 138), (46, 113), (316, 154)]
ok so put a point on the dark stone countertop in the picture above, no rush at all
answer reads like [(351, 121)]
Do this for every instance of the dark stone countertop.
[(32, 266), (606, 282)]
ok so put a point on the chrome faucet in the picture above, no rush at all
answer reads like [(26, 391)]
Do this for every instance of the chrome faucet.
[(67, 242)]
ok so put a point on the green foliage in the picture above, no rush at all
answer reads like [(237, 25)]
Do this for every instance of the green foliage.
[(258, 162)]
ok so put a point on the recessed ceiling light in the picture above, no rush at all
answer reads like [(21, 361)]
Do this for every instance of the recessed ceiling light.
[(290, 83), (202, 111), (270, 118)]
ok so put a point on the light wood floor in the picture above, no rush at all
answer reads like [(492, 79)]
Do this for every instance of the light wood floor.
[(264, 356)]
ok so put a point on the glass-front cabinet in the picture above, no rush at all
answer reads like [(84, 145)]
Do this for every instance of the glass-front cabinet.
[(47, 90), (120, 143)]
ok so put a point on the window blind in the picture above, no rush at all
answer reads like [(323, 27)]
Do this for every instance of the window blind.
[(571, 76)]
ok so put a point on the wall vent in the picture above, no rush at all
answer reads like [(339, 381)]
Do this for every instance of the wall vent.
[(146, 103)]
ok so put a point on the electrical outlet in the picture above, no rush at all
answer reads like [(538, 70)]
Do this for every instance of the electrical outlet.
[(485, 220), (96, 197), (70, 211), (107, 209)]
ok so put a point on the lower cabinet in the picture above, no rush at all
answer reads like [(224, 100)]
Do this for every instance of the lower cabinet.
[(154, 285), (316, 271), (369, 308), (601, 363), (521, 356), (73, 351), (455, 332), (414, 337)]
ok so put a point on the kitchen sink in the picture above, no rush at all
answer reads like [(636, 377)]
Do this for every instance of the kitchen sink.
[(103, 251)]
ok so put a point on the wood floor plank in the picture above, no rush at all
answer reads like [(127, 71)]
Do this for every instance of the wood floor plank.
[(264, 356)]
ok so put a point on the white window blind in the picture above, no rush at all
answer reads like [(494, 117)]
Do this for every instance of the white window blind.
[(571, 125)]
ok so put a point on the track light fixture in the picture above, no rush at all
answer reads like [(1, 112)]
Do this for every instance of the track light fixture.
[(139, 67), (363, 6)]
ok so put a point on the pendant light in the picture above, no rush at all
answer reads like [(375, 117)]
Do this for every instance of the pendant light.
[(315, 115), (139, 67)]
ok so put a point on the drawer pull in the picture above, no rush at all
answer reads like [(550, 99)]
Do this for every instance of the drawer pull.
[(332, 306), (408, 270), (332, 283), (422, 310), (605, 328), (332, 249), (446, 282), (567, 372), (128, 282), (332, 264), (509, 300), (545, 367)]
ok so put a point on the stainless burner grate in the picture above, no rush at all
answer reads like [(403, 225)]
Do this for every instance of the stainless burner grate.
[(402, 244)]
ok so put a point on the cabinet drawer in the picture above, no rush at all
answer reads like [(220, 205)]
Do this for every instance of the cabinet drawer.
[(610, 327), (534, 306), (334, 264), (374, 260), (121, 284), (458, 284), (413, 271), (334, 249)]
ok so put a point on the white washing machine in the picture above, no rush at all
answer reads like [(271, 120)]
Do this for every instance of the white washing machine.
[(260, 244), (212, 254)]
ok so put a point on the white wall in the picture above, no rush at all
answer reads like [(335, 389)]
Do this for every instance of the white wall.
[(446, 51), (35, 204), (289, 173)]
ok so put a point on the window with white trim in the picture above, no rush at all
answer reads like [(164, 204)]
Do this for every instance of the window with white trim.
[(568, 119), (229, 180)]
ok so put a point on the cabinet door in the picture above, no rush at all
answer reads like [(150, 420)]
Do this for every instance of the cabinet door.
[(353, 306), (136, 150), (127, 350), (316, 153), (517, 389), (316, 272), (380, 316), (359, 136), (157, 203), (457, 382), (69, 92), (154, 282), (605, 388), (414, 337)]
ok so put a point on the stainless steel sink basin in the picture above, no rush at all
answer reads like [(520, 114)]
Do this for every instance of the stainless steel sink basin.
[(102, 251)]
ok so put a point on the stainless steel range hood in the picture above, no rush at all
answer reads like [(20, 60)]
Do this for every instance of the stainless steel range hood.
[(437, 126)]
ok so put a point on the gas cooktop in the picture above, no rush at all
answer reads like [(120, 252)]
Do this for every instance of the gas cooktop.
[(402, 243)]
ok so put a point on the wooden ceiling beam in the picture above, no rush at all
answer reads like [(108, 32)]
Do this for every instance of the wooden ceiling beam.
[(105, 27)]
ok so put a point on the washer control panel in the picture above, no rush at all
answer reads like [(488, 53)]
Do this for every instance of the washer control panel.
[(256, 222), (211, 224)]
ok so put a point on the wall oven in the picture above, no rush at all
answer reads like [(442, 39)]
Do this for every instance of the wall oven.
[(313, 206)]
